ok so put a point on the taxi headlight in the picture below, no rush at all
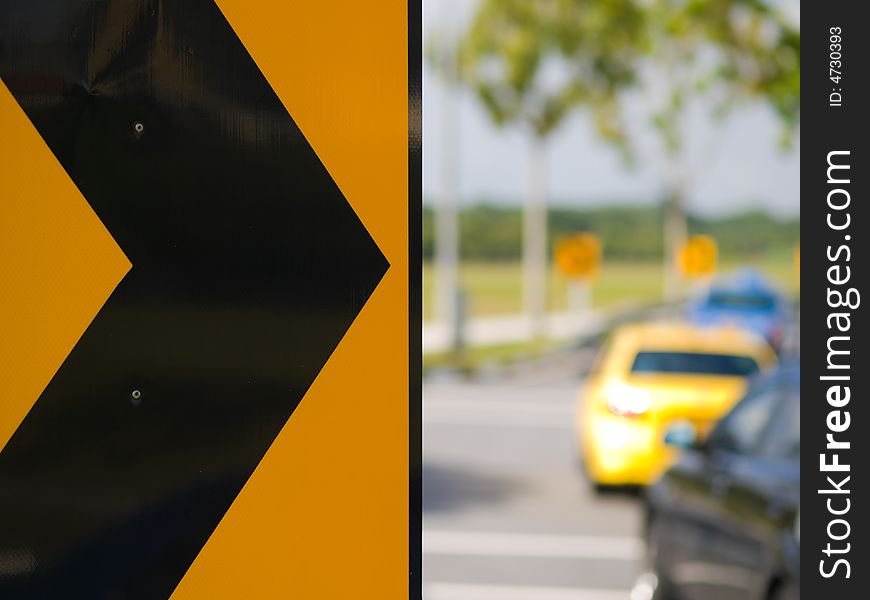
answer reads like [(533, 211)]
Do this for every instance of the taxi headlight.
[(628, 401)]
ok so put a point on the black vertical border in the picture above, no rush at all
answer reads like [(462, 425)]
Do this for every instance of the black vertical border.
[(827, 128), (415, 298)]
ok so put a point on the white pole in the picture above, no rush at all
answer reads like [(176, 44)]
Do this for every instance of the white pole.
[(579, 296), (446, 217), (535, 242), (675, 234)]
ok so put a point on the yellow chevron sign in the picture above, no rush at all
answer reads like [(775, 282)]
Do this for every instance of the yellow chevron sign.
[(209, 375), (58, 265), (294, 522)]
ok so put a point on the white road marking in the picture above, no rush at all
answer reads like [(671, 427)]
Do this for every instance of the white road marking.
[(715, 575), (463, 406), (499, 414), (464, 543), (531, 421), (464, 591)]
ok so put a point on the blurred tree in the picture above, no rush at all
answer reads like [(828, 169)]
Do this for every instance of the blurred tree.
[(728, 51), (532, 63), (493, 233)]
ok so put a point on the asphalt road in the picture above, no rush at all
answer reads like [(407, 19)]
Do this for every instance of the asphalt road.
[(506, 514)]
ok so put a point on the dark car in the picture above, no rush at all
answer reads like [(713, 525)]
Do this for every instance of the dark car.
[(745, 299), (722, 523)]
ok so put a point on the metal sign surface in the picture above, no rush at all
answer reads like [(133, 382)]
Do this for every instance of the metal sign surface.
[(578, 256), (208, 274), (698, 256)]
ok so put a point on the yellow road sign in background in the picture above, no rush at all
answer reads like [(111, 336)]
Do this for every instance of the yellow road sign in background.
[(579, 256), (698, 257)]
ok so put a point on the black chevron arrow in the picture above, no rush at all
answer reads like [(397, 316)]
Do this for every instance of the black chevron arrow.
[(248, 268)]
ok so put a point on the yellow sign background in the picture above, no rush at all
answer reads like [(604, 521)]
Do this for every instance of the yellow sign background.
[(325, 515), (579, 256)]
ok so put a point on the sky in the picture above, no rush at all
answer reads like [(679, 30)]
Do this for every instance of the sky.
[(733, 165)]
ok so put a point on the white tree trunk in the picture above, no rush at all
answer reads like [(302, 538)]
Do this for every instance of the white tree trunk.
[(535, 241), (446, 283), (675, 235)]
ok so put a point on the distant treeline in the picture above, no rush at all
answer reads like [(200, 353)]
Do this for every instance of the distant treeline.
[(494, 233)]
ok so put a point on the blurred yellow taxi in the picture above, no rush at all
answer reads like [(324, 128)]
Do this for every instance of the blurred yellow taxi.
[(649, 376)]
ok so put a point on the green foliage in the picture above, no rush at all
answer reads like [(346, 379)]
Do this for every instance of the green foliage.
[(728, 50), (532, 62), (590, 47), (750, 234), (494, 233), (490, 231), (625, 232)]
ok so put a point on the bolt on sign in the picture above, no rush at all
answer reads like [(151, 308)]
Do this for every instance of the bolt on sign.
[(209, 301), (698, 256), (578, 256)]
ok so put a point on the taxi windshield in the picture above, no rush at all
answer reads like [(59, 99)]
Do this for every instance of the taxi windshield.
[(733, 301), (694, 363)]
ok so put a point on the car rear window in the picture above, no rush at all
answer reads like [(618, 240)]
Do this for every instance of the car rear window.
[(694, 363), (741, 301)]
